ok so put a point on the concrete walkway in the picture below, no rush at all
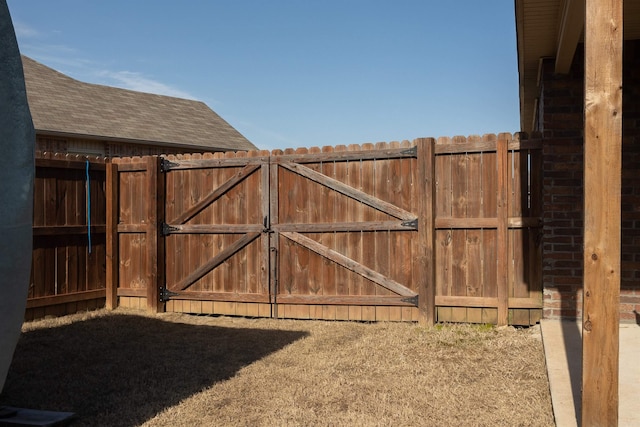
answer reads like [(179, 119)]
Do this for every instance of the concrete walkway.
[(563, 352)]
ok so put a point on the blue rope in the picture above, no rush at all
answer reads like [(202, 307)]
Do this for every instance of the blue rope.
[(88, 207)]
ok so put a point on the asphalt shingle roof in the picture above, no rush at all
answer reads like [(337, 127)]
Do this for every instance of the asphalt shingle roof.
[(62, 105)]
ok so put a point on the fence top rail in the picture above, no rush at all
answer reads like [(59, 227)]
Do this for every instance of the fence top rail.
[(68, 161), (452, 147), (345, 156), (170, 163)]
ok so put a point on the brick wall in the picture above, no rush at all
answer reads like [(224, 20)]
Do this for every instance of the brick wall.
[(561, 121)]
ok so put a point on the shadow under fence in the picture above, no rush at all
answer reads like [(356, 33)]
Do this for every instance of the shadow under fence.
[(124, 369)]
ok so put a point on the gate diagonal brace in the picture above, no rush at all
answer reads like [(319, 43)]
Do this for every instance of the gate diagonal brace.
[(165, 294)]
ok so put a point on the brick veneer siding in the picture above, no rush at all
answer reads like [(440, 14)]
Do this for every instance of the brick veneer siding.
[(561, 121)]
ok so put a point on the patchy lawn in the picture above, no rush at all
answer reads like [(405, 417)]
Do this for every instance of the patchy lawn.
[(125, 368)]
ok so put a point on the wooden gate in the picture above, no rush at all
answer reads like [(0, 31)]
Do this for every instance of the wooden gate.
[(345, 235), (216, 234), (443, 230)]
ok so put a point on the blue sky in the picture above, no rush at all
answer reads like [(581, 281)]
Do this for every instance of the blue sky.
[(296, 73)]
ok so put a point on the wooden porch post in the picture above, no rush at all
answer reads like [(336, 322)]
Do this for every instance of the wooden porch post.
[(602, 178)]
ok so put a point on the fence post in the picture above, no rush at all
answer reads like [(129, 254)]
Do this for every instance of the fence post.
[(274, 236), (112, 215), (155, 243), (425, 192), (502, 267)]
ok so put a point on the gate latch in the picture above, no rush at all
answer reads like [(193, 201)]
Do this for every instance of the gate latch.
[(165, 294)]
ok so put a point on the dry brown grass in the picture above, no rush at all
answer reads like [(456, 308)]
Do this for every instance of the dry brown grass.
[(124, 368)]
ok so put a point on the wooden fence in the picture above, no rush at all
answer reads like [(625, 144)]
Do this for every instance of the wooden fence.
[(445, 230), (68, 273), (488, 219)]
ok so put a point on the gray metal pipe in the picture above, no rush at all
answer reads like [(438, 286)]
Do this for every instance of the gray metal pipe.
[(17, 140)]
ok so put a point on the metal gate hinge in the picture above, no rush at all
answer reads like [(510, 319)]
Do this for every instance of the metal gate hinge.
[(167, 229), (413, 151), (412, 223), (166, 165), (165, 294), (411, 300)]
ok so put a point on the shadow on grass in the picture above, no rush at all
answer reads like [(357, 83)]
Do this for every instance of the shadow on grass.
[(122, 370)]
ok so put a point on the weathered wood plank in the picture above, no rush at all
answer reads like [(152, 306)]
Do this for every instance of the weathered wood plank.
[(442, 207), (68, 164), (220, 296), (352, 226), (425, 187), (221, 160), (263, 274), (485, 145), (328, 212), (489, 236), (112, 256), (315, 214), (460, 196), (131, 228), (349, 155), (154, 200), (274, 238), (465, 301), (501, 235), (340, 241), (230, 207), (486, 222), (473, 238), (535, 234), (603, 37), (350, 300), (353, 213), (218, 212), (68, 230), (300, 204), (287, 192), (404, 182), (65, 298), (383, 191)]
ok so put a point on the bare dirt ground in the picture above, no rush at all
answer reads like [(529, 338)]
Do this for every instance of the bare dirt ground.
[(125, 368)]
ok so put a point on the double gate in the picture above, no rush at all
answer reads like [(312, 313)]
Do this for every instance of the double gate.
[(430, 230), (303, 234)]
